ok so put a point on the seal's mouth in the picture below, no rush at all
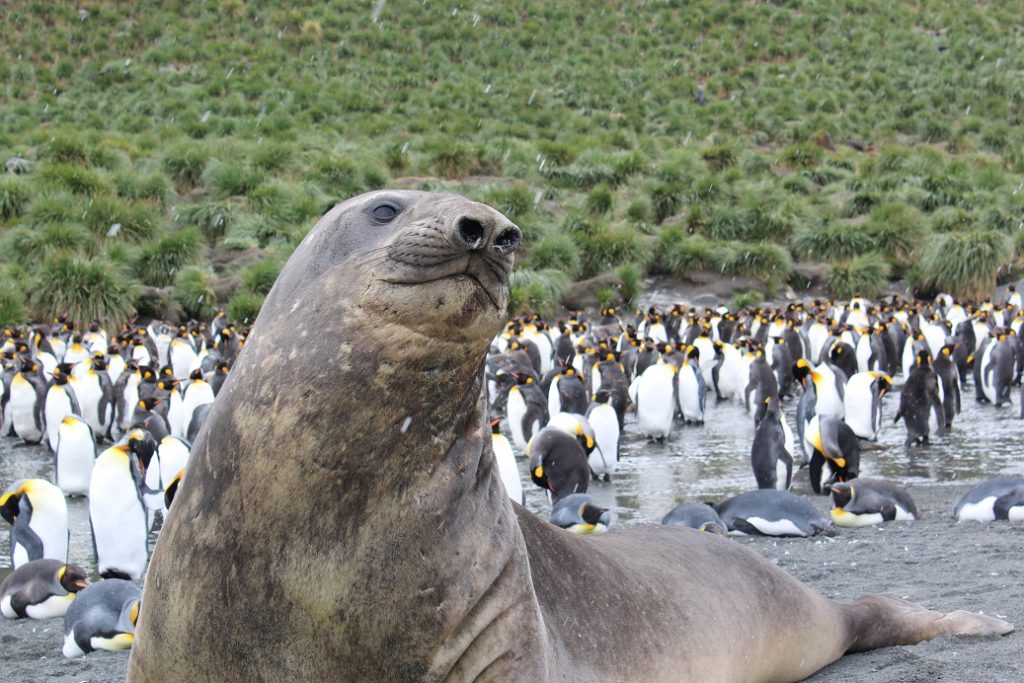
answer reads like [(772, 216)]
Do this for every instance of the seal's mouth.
[(465, 275)]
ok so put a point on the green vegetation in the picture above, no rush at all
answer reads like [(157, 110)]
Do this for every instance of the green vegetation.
[(142, 142)]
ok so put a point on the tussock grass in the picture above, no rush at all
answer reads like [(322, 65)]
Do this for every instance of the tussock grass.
[(865, 275), (81, 289), (965, 264)]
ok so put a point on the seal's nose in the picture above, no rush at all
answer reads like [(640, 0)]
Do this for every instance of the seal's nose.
[(474, 234)]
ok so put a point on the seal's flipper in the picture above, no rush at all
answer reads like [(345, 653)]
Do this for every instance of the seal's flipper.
[(884, 620)]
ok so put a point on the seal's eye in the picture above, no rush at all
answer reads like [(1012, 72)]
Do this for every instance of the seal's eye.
[(384, 212)]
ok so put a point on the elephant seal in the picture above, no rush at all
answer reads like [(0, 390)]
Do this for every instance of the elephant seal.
[(343, 518)]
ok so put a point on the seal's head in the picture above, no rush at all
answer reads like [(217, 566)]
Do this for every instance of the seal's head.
[(435, 264)]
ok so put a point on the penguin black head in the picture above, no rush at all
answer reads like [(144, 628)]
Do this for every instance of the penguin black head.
[(99, 362), (924, 358), (196, 374), (842, 494), (167, 384), (166, 371), (223, 368), (602, 396), (495, 424), (801, 370), (142, 444), (693, 353), (148, 373), (10, 504), (62, 372), (149, 403), (72, 578)]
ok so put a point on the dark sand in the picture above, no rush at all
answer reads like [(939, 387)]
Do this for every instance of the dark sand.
[(934, 561)]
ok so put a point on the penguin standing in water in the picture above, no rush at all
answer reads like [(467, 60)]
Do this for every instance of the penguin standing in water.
[(920, 406), (102, 617), (558, 463), (169, 457), (579, 514), (699, 516), (997, 369), (38, 515), (126, 396), (654, 395), (167, 390), (871, 501), (527, 410), (220, 373), (949, 382), (25, 401), (567, 393), (41, 589), (772, 463), (60, 402), (762, 385), (503, 457), (1000, 498), (604, 420), (863, 403), (117, 515), (691, 391), (75, 455), (834, 443)]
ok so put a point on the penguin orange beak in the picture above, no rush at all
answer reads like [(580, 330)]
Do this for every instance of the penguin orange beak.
[(80, 584)]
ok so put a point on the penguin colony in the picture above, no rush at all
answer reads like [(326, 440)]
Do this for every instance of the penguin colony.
[(119, 412), (565, 389)]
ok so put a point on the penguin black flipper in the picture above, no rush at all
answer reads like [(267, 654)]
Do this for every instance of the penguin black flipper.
[(743, 526), (23, 535), (1002, 505), (849, 447), (785, 457), (817, 462), (888, 511)]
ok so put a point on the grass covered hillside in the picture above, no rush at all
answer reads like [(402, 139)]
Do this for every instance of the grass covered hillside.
[(166, 157)]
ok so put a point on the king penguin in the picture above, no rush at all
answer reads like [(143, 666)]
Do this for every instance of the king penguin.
[(691, 390), (835, 444), (102, 617), (920, 405), (527, 410), (871, 501), (604, 420), (503, 457), (771, 461), (25, 402), (75, 455), (863, 403), (653, 394), (38, 515), (41, 589), (579, 514), (1000, 498), (118, 518), (60, 402), (558, 463)]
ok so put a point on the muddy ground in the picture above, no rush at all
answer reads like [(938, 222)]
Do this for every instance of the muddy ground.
[(933, 561)]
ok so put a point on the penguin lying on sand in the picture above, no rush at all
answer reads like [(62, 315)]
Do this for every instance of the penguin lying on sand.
[(772, 513), (41, 589), (871, 501), (102, 617), (700, 516), (1001, 498)]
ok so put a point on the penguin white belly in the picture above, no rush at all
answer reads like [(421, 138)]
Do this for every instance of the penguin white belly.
[(182, 358), (857, 406), (76, 453), (848, 519), (131, 398), (605, 423), (903, 515), (22, 403), (907, 359), (58, 346), (56, 408), (729, 374), (706, 347), (115, 366), (507, 469), (163, 345), (987, 387), (141, 355), (176, 415), (119, 523), (173, 454), (817, 335), (775, 527), (978, 512), (544, 349), (89, 395), (48, 361), (7, 609), (51, 607), (657, 332), (71, 649), (689, 395), (935, 336), (863, 353), (516, 409), (781, 472), (554, 398), (595, 380), (197, 393), (1016, 513), (654, 401), (829, 403)]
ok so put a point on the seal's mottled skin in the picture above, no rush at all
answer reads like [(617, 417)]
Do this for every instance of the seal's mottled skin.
[(342, 518)]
